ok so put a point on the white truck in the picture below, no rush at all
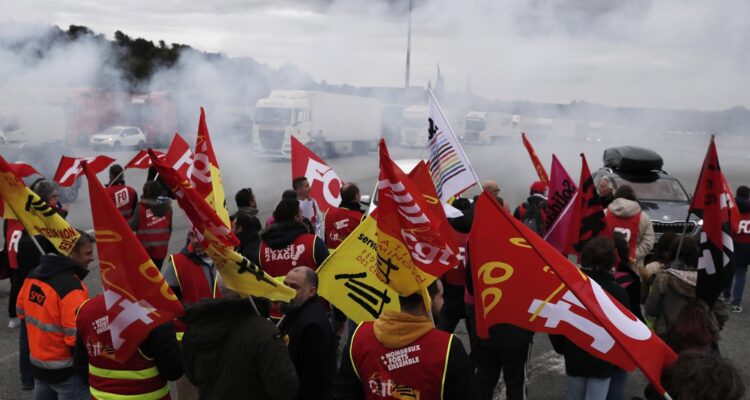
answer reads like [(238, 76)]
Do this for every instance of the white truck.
[(489, 127), (329, 124), (414, 126)]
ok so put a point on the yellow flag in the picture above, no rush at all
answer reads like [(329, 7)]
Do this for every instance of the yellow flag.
[(348, 278), (34, 213)]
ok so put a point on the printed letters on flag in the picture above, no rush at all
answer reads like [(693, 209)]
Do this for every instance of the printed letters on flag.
[(348, 278), (713, 201), (142, 160), (587, 220), (20, 202), (560, 201), (137, 297), (325, 184), (70, 168), (179, 156), (538, 167), (521, 280), (411, 252), (205, 173), (449, 166)]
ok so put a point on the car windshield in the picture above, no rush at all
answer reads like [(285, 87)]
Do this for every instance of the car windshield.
[(111, 131), (273, 115), (664, 189)]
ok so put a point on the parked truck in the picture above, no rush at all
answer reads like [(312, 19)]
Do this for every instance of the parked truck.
[(489, 127), (414, 126), (330, 124)]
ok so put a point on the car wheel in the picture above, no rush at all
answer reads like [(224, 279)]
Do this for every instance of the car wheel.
[(141, 145), (116, 146)]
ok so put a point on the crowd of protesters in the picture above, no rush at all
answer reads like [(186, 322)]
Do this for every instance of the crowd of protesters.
[(227, 347)]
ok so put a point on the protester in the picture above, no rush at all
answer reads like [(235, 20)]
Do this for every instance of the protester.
[(588, 376), (309, 207), (287, 194), (672, 292), (12, 232), (144, 375), (533, 211), (733, 293), (701, 376), (47, 303), (606, 191), (231, 352), (494, 189), (454, 281), (340, 222), (124, 196), (245, 201), (247, 229), (657, 261), (402, 354), (624, 215), (625, 275), (152, 222), (311, 341)]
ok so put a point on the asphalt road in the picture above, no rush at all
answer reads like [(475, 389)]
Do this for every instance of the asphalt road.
[(506, 163)]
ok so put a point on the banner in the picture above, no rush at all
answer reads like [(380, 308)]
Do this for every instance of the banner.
[(137, 297), (179, 156), (562, 195), (411, 252), (70, 168), (325, 185), (587, 219), (521, 280), (349, 277), (449, 167), (205, 173), (538, 167), (20, 202), (142, 160)]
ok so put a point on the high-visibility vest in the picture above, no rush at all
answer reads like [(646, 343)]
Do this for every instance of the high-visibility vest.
[(136, 378), (457, 275), (193, 285), (124, 198), (743, 231), (154, 232), (416, 371), (13, 233), (300, 252), (628, 226), (339, 223)]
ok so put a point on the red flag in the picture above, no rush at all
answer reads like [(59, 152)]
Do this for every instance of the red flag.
[(22, 169), (70, 168), (713, 201), (588, 213), (135, 293), (535, 160), (142, 160), (560, 204), (325, 184), (521, 280), (200, 214), (205, 173), (179, 156), (420, 175), (411, 252)]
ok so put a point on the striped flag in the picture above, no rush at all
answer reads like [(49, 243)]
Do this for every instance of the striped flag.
[(449, 166)]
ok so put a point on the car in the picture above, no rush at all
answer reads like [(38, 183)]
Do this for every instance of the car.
[(661, 196), (117, 137)]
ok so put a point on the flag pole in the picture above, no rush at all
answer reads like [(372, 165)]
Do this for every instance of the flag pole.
[(36, 243), (111, 181)]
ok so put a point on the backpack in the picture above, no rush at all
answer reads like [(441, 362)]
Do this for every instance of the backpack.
[(691, 330), (533, 217)]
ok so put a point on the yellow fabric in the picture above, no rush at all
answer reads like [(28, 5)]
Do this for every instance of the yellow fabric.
[(156, 395), (397, 329), (117, 374)]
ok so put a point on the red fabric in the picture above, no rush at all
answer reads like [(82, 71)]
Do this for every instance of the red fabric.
[(123, 196), (422, 180), (142, 160), (415, 371), (588, 214), (538, 166), (301, 252), (339, 223), (742, 233), (12, 237), (193, 283), (179, 156), (93, 328), (457, 275), (203, 158), (521, 280), (70, 168), (22, 169), (628, 226), (325, 185), (154, 232), (128, 277)]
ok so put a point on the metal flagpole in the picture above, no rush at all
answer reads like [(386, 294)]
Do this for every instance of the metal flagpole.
[(36, 243)]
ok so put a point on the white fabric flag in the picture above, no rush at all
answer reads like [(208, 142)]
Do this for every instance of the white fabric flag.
[(449, 166)]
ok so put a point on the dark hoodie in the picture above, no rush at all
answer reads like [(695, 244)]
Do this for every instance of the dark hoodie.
[(350, 205), (281, 234), (230, 352)]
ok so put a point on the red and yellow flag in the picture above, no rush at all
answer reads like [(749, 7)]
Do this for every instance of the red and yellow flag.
[(205, 173), (538, 166)]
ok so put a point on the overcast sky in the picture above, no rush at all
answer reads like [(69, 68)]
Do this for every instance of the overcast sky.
[(666, 53)]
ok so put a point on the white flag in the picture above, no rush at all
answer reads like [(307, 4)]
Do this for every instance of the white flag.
[(449, 166)]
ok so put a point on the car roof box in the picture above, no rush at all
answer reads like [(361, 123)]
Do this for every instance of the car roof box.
[(632, 159)]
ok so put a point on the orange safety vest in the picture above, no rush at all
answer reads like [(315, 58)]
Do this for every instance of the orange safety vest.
[(628, 226), (339, 223), (154, 232), (136, 378), (124, 198), (416, 371)]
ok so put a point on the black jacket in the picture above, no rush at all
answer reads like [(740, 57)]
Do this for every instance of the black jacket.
[(578, 362), (249, 242), (312, 347), (352, 206), (230, 352), (281, 234), (742, 250)]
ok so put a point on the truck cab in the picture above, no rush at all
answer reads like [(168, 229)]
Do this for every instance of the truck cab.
[(279, 116)]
